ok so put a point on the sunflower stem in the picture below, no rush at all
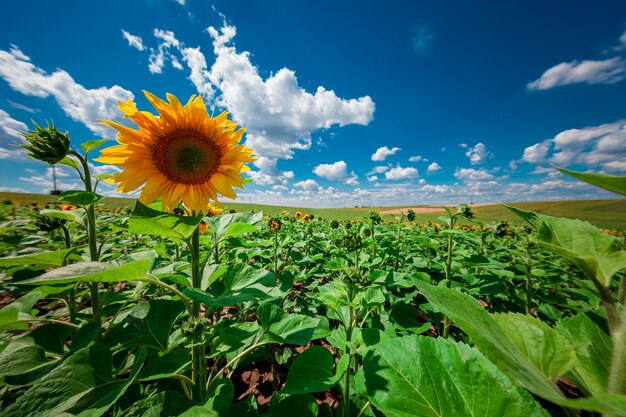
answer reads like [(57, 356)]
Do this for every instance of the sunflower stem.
[(91, 235), (198, 364)]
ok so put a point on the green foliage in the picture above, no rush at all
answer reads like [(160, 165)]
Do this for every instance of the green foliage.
[(420, 376)]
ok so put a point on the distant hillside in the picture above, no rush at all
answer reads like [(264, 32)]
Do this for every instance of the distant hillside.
[(602, 213)]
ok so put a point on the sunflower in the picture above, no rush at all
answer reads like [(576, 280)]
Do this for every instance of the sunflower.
[(213, 211), (274, 225), (181, 154), (298, 214), (68, 207)]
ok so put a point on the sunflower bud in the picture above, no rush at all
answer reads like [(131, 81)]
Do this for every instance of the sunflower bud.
[(48, 145), (48, 224)]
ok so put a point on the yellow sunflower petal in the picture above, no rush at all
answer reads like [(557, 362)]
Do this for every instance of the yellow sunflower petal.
[(180, 154)]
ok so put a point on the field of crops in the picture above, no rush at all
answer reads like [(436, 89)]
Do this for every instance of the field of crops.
[(299, 315), (175, 307)]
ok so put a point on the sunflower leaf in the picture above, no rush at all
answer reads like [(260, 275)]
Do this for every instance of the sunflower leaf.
[(147, 221)]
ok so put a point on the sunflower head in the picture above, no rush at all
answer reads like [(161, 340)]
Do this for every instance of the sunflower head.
[(298, 214), (47, 144), (180, 154), (212, 211), (274, 224), (68, 207)]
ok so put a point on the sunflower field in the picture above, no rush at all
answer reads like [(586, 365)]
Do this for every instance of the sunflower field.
[(175, 307)]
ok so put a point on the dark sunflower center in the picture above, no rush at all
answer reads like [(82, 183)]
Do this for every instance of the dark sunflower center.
[(187, 157)]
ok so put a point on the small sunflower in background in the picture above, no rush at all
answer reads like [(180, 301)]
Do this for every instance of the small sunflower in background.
[(305, 218), (274, 224), (68, 207), (298, 214), (181, 154), (213, 211)]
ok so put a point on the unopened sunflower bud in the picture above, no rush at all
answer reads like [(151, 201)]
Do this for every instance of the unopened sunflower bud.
[(47, 144), (48, 224)]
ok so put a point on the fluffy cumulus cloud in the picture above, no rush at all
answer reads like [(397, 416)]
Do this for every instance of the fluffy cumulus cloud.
[(279, 115), (133, 40), (383, 152), (589, 71), (400, 173), (433, 167), (594, 147), (337, 171), (307, 185), (478, 154), (607, 71), (10, 135), (81, 104), (473, 175), (417, 158)]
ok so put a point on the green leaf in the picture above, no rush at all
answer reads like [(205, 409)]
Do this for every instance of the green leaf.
[(312, 371), (70, 162), (240, 283), (417, 376), (221, 224), (608, 182), (492, 341), (85, 335), (98, 271), (80, 198), (281, 327), (56, 258), (165, 366), (220, 398), (92, 144), (551, 353), (76, 216), (162, 404), (16, 316), (593, 252), (82, 385), (147, 221), (149, 324), (593, 351), (20, 356), (239, 228), (302, 405)]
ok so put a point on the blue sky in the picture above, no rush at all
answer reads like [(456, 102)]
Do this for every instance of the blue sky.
[(346, 103)]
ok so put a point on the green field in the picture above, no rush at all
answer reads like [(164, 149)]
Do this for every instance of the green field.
[(602, 213)]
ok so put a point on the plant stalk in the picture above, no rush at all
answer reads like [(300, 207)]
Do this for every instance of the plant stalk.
[(198, 360)]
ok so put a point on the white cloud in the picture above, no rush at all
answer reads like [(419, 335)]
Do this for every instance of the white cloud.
[(308, 185), (372, 178), (382, 153), (399, 173), (436, 188), (279, 115), (536, 154), (478, 154), (379, 169), (602, 146), (337, 171), (22, 107), (12, 190), (608, 71), (79, 103), (433, 167), (10, 135), (417, 158), (423, 37), (133, 40), (472, 175)]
